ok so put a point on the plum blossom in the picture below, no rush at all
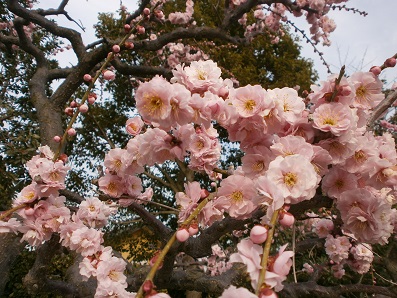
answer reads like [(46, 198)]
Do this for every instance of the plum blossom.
[(366, 214), (188, 200), (249, 254), (233, 292), (333, 117), (153, 99), (86, 241), (368, 90), (337, 248), (362, 258), (199, 76), (295, 177), (134, 125), (241, 196), (323, 227), (94, 213), (251, 100)]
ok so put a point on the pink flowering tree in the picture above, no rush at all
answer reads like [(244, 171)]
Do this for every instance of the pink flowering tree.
[(313, 182)]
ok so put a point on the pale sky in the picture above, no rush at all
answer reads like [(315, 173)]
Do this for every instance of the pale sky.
[(358, 42)]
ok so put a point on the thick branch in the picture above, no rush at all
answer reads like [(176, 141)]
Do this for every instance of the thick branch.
[(33, 16), (381, 108), (141, 70)]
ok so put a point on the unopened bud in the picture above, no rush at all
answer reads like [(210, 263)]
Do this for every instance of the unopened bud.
[(140, 29), (376, 70), (146, 11), (71, 132), (116, 48), (87, 78), (83, 108), (57, 139), (182, 235), (286, 219), (391, 62), (258, 234)]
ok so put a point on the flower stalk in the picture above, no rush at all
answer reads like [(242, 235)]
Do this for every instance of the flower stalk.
[(266, 251), (170, 242)]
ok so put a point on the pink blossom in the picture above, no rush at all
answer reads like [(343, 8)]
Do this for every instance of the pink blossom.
[(295, 177), (111, 185), (188, 200), (323, 227), (113, 160), (249, 254), (199, 76), (153, 99), (111, 271), (337, 181), (288, 104), (333, 117), (86, 241), (291, 145), (270, 195), (251, 100), (12, 225), (366, 215), (337, 248), (233, 292), (241, 194), (368, 90), (256, 161), (88, 266), (134, 125), (362, 258), (94, 213)]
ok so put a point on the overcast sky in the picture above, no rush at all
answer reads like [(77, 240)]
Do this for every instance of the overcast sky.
[(358, 42)]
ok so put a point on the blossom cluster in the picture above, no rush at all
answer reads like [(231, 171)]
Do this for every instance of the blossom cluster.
[(292, 146)]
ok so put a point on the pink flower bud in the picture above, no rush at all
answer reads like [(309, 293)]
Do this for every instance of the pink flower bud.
[(71, 132), (57, 139), (87, 78), (129, 45), (147, 286), (154, 260), (376, 70), (258, 234), (83, 108), (73, 104), (286, 219), (146, 11), (213, 184), (127, 27), (29, 211), (182, 235), (69, 111), (391, 62), (140, 29), (204, 193), (116, 48), (193, 229), (91, 100), (109, 75), (63, 157), (267, 293)]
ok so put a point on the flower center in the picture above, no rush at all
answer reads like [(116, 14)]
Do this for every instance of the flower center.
[(290, 179), (113, 275), (237, 196), (249, 105), (361, 91), (360, 156)]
